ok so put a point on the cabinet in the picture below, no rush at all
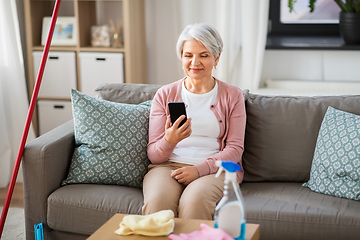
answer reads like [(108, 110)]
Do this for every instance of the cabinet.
[(52, 114), (95, 67), (59, 75), (88, 13)]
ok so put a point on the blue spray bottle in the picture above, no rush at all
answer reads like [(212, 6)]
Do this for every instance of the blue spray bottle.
[(229, 213)]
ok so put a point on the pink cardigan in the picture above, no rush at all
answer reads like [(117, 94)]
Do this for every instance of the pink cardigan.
[(229, 109)]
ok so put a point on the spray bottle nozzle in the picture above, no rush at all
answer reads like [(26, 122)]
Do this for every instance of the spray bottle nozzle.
[(218, 164), (229, 166)]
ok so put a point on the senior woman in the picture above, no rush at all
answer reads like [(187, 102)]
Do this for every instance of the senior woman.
[(182, 174)]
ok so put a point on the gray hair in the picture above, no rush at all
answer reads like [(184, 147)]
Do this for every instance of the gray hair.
[(203, 33)]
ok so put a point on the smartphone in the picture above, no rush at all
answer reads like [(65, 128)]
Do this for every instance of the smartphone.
[(177, 109)]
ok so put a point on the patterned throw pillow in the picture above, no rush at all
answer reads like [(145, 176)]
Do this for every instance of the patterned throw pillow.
[(111, 141), (336, 164)]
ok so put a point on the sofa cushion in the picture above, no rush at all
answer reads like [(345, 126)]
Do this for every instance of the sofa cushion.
[(126, 93), (335, 168), (290, 211), (281, 134), (83, 208), (111, 142)]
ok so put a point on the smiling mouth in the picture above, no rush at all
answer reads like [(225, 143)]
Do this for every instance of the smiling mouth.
[(196, 69)]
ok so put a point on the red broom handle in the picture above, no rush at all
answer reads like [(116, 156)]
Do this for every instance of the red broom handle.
[(29, 116)]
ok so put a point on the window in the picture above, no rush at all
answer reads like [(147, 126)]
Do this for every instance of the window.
[(326, 12), (301, 22)]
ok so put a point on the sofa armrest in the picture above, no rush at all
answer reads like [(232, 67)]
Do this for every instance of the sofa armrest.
[(45, 164)]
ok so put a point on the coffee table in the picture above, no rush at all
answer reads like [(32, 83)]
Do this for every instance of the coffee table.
[(107, 231)]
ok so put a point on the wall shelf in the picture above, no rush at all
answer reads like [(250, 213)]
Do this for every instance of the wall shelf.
[(88, 13), (308, 43), (101, 49)]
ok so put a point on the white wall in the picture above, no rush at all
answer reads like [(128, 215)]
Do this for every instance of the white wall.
[(310, 72), (311, 65)]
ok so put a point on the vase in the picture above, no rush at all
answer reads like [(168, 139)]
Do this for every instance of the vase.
[(350, 27)]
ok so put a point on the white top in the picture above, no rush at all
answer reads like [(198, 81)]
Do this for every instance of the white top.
[(202, 142)]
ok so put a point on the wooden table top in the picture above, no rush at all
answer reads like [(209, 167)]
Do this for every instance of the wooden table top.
[(107, 231)]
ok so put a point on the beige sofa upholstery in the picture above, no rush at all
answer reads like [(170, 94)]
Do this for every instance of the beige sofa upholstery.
[(280, 139)]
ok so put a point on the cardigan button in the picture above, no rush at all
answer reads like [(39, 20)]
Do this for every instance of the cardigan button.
[(220, 121), (212, 105)]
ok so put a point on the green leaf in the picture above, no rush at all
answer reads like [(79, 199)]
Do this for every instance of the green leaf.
[(341, 5), (357, 6), (291, 5), (312, 5), (349, 6), (344, 7)]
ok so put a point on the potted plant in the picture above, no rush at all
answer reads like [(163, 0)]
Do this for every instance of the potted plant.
[(349, 21)]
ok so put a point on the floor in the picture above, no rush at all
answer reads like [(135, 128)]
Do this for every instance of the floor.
[(17, 199)]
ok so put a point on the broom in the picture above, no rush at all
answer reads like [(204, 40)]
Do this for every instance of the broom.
[(29, 116)]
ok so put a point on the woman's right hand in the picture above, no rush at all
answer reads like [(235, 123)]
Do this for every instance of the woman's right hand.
[(174, 133)]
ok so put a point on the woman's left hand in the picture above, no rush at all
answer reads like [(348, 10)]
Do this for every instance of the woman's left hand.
[(185, 175)]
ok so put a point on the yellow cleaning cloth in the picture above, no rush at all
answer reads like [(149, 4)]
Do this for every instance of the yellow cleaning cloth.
[(157, 224)]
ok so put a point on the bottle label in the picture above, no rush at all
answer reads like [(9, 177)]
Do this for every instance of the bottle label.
[(242, 235), (230, 220), (243, 228)]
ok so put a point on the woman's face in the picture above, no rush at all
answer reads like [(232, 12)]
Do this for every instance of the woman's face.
[(197, 61)]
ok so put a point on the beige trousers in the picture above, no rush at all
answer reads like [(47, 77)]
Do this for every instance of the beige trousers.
[(196, 200)]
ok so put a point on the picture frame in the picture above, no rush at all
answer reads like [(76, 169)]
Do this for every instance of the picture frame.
[(65, 32)]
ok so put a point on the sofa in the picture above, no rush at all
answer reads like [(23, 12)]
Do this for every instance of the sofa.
[(280, 140)]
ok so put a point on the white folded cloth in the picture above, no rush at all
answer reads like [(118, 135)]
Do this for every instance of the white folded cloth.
[(157, 224)]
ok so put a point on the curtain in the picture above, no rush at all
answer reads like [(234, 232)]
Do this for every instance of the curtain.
[(242, 25), (255, 15), (13, 95)]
